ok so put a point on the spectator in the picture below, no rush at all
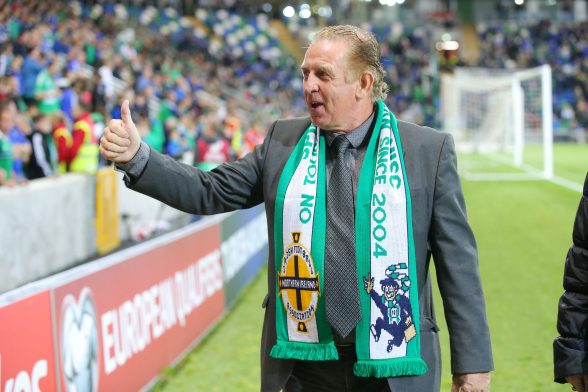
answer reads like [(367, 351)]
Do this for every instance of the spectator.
[(68, 97), (234, 134), (173, 144), (32, 66), (6, 88), (8, 114), (6, 56), (105, 87), (47, 94), (42, 161), (63, 141), (212, 148), (17, 81), (253, 137), (83, 153), (21, 147)]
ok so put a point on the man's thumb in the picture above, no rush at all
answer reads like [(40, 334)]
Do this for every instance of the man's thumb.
[(125, 113)]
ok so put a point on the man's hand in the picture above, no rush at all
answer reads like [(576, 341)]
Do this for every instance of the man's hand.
[(578, 381), (368, 284), (471, 382), (121, 140)]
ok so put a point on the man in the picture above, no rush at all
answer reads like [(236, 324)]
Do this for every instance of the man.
[(569, 349), (47, 93), (350, 194), (8, 113)]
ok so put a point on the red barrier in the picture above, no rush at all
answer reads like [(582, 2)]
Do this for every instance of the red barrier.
[(117, 328), (26, 345), (119, 325), (114, 324)]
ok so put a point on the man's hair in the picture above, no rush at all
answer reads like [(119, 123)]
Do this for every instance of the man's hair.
[(6, 104), (38, 117), (364, 54), (389, 282)]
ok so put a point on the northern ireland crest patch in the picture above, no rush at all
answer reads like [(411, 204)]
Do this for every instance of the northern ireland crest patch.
[(298, 283)]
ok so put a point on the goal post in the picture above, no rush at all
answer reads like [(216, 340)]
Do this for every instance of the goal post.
[(502, 122)]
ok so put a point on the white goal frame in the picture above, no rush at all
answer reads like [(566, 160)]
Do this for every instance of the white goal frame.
[(508, 128)]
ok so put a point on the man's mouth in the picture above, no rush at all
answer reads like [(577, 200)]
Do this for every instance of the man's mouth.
[(315, 104)]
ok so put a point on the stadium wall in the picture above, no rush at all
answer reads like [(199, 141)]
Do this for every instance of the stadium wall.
[(45, 226), (115, 323), (140, 214), (48, 225)]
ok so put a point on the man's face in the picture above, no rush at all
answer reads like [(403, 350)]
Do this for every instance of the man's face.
[(8, 118), (330, 97), (44, 124), (389, 292)]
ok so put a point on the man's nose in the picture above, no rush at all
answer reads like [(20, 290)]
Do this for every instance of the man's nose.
[(311, 84)]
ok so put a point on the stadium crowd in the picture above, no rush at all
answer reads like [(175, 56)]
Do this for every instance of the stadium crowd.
[(414, 87), (207, 85), (204, 88), (564, 46)]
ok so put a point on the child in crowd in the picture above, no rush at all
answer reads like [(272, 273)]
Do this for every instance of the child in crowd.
[(42, 161)]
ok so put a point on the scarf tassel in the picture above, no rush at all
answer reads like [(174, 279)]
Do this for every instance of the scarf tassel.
[(304, 351), (390, 368)]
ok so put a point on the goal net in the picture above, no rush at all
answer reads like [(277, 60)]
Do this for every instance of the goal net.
[(501, 121)]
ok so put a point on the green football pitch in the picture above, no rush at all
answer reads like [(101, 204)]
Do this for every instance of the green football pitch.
[(523, 230)]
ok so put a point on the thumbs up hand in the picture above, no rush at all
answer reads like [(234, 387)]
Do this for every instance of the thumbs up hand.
[(121, 140)]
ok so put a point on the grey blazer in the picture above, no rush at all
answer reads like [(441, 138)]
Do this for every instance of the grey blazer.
[(439, 223)]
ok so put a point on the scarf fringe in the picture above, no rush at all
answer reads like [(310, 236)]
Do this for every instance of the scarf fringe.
[(390, 368), (305, 351)]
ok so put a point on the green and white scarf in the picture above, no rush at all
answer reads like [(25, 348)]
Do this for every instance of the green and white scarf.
[(384, 250)]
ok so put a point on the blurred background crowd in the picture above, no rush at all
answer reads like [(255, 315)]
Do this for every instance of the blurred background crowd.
[(205, 88), (65, 68)]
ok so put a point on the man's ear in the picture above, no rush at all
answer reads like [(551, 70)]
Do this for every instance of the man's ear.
[(364, 85)]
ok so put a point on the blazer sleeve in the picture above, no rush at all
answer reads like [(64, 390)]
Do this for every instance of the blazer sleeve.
[(228, 187), (569, 349), (455, 255)]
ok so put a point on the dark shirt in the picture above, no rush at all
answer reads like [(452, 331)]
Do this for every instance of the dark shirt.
[(358, 143), (355, 153)]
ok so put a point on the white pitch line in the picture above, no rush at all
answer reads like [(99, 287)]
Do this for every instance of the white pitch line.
[(574, 186), (567, 184)]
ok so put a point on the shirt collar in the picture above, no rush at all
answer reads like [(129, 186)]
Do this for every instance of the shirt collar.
[(356, 136)]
